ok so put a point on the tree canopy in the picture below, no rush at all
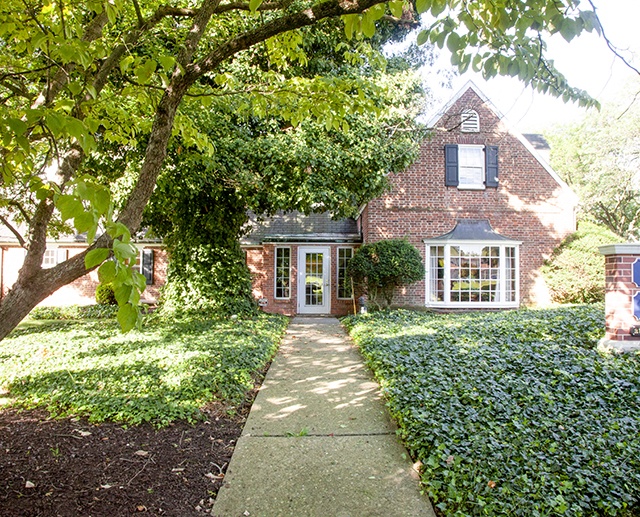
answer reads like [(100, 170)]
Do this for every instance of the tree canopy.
[(599, 157), (79, 77)]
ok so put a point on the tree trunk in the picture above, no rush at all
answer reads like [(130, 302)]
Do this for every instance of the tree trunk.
[(34, 285)]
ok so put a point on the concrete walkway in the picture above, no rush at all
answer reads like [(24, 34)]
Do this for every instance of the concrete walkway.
[(318, 441)]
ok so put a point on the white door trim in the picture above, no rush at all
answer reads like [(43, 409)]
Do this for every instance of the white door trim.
[(314, 308)]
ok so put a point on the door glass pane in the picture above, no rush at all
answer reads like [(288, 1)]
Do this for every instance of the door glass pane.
[(314, 279)]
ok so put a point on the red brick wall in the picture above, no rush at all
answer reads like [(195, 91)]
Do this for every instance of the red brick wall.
[(529, 205), (81, 291), (261, 263)]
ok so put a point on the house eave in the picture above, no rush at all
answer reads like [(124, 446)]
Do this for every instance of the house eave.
[(330, 238)]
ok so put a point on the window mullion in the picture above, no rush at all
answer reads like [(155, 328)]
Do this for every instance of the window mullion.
[(502, 277), (447, 274)]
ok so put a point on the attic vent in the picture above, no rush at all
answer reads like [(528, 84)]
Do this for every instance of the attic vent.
[(470, 122)]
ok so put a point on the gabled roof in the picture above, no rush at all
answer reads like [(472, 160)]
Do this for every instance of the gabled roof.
[(298, 227), (470, 85)]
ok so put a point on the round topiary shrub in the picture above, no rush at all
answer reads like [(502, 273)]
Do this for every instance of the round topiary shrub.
[(105, 295), (380, 267), (575, 271)]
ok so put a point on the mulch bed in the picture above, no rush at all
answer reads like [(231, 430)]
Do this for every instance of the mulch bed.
[(69, 467)]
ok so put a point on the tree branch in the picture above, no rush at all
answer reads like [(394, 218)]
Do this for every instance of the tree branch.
[(242, 6), (286, 23), (22, 211), (92, 32), (132, 37), (13, 230), (609, 44), (136, 6)]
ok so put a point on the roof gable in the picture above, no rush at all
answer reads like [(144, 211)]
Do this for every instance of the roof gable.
[(445, 113)]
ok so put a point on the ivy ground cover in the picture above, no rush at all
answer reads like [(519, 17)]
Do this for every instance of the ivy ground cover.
[(164, 373), (511, 413)]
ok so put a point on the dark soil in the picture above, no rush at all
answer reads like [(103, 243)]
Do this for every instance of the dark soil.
[(70, 467)]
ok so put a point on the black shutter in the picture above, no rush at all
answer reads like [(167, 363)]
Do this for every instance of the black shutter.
[(147, 265), (451, 165), (491, 165)]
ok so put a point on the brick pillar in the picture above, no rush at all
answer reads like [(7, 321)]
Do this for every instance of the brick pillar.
[(622, 297)]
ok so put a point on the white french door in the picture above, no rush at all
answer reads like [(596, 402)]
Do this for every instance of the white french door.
[(314, 295)]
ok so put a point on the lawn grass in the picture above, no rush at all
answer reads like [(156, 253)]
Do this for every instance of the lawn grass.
[(511, 413), (166, 372)]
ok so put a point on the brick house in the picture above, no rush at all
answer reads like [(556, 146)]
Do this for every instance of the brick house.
[(152, 263), (481, 205)]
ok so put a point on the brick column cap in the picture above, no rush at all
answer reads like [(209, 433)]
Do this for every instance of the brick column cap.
[(620, 249)]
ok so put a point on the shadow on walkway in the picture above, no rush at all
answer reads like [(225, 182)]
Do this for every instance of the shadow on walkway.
[(318, 440)]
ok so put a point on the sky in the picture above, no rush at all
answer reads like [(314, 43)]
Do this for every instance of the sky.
[(586, 62)]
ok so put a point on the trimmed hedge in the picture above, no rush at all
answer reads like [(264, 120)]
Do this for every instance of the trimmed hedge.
[(380, 267), (511, 413)]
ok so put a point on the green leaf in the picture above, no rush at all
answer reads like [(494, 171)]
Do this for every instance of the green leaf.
[(423, 37), (17, 126), (395, 6), (167, 62), (453, 42), (422, 5), (123, 293), (102, 201), (95, 257), (437, 7), (368, 24), (116, 230), (140, 281), (376, 11), (126, 63), (124, 250), (254, 5), (128, 317), (84, 221), (69, 206), (349, 24), (107, 272)]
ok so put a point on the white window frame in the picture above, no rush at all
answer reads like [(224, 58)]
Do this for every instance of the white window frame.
[(53, 256), (275, 273), (49, 258), (502, 280), (345, 272), (479, 183), (137, 266)]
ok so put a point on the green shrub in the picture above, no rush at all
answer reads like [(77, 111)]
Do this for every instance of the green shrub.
[(380, 267), (512, 413), (105, 295), (575, 271)]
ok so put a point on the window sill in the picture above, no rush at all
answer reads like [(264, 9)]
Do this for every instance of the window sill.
[(471, 187), (473, 305)]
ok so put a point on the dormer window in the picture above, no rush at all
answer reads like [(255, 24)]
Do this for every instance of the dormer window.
[(470, 121)]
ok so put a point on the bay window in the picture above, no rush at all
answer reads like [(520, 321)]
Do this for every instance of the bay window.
[(467, 272)]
